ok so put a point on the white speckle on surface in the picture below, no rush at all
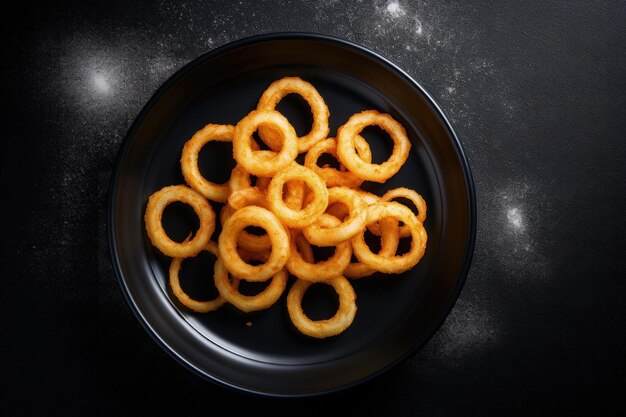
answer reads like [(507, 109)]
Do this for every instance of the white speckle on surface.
[(515, 219), (395, 10), (418, 27), (101, 83), (513, 235)]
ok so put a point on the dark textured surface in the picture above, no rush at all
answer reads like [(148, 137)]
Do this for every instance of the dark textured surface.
[(537, 94)]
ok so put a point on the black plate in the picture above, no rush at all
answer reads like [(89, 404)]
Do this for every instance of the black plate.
[(396, 315)]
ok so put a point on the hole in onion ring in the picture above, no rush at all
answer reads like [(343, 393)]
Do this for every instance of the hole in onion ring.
[(215, 161), (327, 160), (406, 202), (320, 302), (195, 277), (178, 220), (323, 253), (404, 246), (249, 288), (297, 111), (262, 146), (380, 143), (255, 230), (372, 241)]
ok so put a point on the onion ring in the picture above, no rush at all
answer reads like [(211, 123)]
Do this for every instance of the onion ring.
[(241, 179), (304, 216), (409, 194), (247, 197), (340, 210), (389, 241), (248, 303), (276, 92), (154, 214), (350, 227), (398, 263), (189, 161), (333, 326), (247, 240), (319, 271), (258, 162), (183, 297), (337, 177), (251, 196), (373, 172), (227, 243)]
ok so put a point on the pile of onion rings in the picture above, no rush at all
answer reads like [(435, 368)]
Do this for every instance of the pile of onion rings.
[(298, 204)]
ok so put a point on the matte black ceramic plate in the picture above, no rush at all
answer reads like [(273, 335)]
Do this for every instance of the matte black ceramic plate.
[(262, 352)]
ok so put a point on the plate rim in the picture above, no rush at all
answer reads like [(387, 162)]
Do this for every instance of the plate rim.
[(289, 35)]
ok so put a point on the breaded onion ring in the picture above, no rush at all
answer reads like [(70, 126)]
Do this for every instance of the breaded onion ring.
[(248, 303), (154, 214), (346, 152), (409, 194), (323, 270), (337, 177), (240, 179), (333, 326), (247, 197), (260, 163), (350, 227), (251, 196), (227, 243), (247, 240), (340, 210), (298, 217), (189, 161), (398, 263), (389, 241), (276, 92), (184, 298)]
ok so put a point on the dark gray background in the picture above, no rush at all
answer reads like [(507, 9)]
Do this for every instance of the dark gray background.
[(536, 91)]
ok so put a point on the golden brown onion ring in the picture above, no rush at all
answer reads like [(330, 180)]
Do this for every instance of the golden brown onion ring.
[(323, 270), (247, 240), (299, 217), (154, 214), (247, 197), (183, 297), (350, 227), (346, 152), (227, 243), (239, 179), (336, 177), (389, 245), (398, 263), (189, 161), (333, 326), (251, 196), (260, 163), (290, 85), (414, 197), (248, 303)]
